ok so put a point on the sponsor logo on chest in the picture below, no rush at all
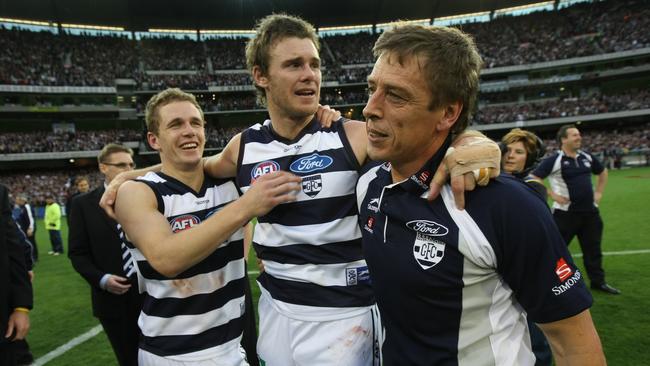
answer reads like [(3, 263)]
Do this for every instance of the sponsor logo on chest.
[(311, 163), (427, 227), (184, 222)]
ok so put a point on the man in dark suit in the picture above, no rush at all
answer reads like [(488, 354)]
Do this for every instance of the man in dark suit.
[(15, 287), (95, 250)]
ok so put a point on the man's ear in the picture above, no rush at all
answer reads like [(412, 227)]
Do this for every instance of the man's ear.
[(451, 113), (153, 141), (259, 78)]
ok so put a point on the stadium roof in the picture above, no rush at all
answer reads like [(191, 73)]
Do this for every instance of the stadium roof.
[(140, 15)]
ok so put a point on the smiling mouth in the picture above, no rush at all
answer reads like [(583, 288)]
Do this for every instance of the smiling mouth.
[(189, 146)]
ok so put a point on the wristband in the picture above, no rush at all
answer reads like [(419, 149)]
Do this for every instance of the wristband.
[(22, 310)]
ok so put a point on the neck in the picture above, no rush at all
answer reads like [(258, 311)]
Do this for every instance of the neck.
[(403, 170), (191, 177), (287, 126), (569, 152)]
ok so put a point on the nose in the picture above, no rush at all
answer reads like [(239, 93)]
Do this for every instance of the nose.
[(373, 110), (188, 130), (309, 73)]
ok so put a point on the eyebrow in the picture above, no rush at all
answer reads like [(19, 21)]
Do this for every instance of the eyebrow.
[(299, 59)]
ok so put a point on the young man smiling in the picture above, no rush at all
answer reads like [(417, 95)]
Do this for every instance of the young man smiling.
[(184, 231)]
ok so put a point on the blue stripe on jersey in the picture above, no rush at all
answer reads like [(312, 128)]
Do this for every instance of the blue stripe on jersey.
[(193, 305), (310, 212), (315, 295), (327, 197), (173, 345), (164, 319), (218, 259), (314, 254)]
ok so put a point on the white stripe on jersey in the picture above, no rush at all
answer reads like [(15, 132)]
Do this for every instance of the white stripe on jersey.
[(362, 184), (493, 308), (558, 185), (152, 177), (256, 152), (180, 204), (330, 185), (275, 235), (153, 326), (320, 274), (203, 283)]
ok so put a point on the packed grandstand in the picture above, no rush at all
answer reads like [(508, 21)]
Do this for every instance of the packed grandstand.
[(586, 63)]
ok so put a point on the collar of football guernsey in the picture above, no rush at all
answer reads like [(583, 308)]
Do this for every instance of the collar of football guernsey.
[(418, 183), (313, 126)]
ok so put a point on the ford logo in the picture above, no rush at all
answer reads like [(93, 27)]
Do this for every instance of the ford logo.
[(426, 227), (311, 163)]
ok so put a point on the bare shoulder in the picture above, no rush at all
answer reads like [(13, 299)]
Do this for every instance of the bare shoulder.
[(133, 194), (356, 133), (224, 164)]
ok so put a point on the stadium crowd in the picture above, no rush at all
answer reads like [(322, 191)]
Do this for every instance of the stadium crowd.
[(42, 58), (609, 145), (39, 185), (594, 104), (46, 141)]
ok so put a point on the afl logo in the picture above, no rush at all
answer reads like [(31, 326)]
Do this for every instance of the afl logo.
[(264, 167), (311, 163), (184, 222), (426, 227)]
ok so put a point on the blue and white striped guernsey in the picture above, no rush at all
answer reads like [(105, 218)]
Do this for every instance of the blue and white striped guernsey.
[(199, 313), (313, 263)]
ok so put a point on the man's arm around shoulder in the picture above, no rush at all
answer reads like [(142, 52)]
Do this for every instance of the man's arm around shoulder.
[(574, 341)]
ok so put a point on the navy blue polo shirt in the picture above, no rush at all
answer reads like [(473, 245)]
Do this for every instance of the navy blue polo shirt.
[(453, 287), (571, 177)]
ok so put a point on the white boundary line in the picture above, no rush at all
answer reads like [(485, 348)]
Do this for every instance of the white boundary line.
[(621, 252), (97, 329), (68, 346)]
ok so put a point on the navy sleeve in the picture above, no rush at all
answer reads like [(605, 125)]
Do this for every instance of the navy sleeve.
[(596, 166), (531, 255), (544, 168)]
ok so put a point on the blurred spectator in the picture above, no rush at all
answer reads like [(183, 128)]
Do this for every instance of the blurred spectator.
[(53, 224), (46, 141), (594, 104), (39, 184)]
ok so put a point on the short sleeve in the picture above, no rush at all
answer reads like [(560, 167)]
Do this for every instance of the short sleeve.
[(532, 257), (545, 167)]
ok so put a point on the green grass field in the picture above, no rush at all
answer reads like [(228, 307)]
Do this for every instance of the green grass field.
[(62, 298)]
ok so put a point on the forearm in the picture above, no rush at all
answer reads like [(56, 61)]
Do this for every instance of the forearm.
[(601, 182), (574, 341), (197, 243)]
